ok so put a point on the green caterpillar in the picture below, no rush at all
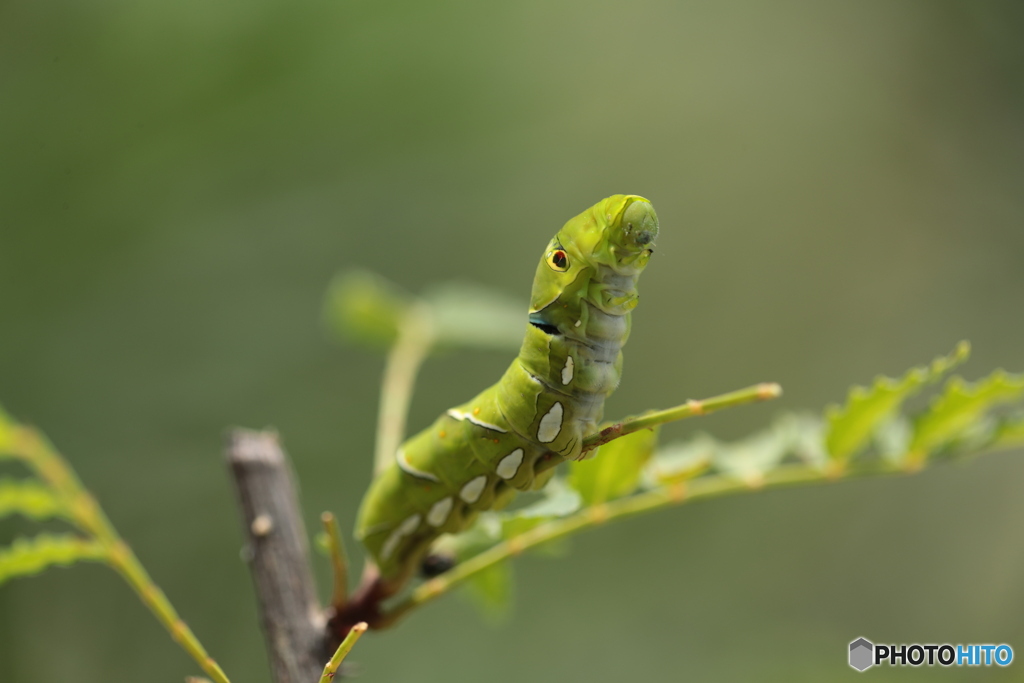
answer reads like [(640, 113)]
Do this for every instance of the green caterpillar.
[(477, 455)]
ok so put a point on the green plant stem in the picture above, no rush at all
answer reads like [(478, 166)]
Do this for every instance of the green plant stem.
[(88, 516), (339, 560), (339, 655), (415, 339), (661, 497), (758, 392)]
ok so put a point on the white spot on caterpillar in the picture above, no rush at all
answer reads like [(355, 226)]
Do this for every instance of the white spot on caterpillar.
[(471, 491), (567, 370), (409, 525), (388, 549), (509, 465), (550, 424), (404, 465), (404, 529), (458, 415), (578, 323), (438, 514)]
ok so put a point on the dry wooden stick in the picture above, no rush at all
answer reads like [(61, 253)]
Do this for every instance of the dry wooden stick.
[(278, 556)]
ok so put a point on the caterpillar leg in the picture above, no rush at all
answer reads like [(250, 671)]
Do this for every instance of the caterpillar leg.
[(435, 564)]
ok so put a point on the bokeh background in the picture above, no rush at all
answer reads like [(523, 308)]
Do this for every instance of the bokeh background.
[(841, 190)]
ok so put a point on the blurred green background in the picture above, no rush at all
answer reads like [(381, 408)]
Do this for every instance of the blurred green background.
[(841, 191)]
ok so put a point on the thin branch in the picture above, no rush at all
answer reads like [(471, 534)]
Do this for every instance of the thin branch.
[(278, 555), (86, 513), (339, 560), (339, 655), (415, 339), (758, 392)]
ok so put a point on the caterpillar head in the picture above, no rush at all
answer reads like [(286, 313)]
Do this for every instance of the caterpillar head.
[(617, 233), (630, 234)]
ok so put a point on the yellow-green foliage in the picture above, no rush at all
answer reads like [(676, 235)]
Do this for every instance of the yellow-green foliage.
[(961, 406), (852, 425), (869, 434), (366, 308), (30, 499), (50, 493), (28, 556), (615, 470)]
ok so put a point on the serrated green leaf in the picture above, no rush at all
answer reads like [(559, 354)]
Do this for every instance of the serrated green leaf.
[(615, 470), (805, 435), (1009, 434), (752, 458), (961, 405), (470, 317), (850, 426), (485, 533), (27, 556), (682, 460), (28, 498), (364, 307), (491, 591), (560, 500), (892, 438), (322, 543), (796, 434)]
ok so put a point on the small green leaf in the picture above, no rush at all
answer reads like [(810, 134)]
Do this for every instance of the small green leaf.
[(750, 459), (491, 591), (892, 439), (28, 498), (1009, 434), (850, 427), (959, 406), (615, 470), (559, 501), (364, 307), (470, 317), (796, 434), (805, 434), (485, 533), (27, 556), (684, 460), (322, 543)]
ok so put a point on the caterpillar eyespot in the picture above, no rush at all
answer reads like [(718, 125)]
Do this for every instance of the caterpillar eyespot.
[(506, 438), (558, 260)]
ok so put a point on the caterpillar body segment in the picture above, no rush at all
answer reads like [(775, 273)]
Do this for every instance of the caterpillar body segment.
[(477, 455)]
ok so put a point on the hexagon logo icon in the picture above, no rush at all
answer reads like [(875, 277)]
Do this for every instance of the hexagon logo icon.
[(862, 654)]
